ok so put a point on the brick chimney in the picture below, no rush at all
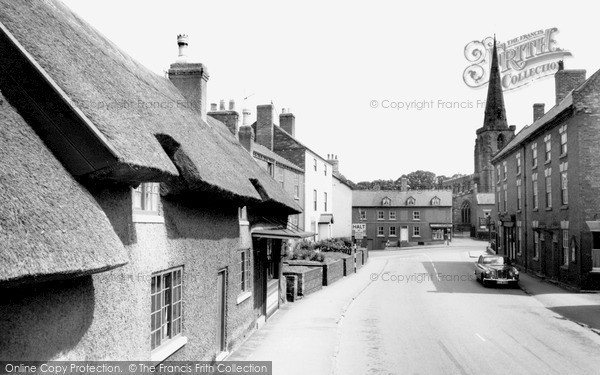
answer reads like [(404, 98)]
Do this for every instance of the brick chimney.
[(246, 137), (287, 121), (264, 125), (567, 80), (538, 111), (190, 79), (229, 118), (333, 160), (403, 184)]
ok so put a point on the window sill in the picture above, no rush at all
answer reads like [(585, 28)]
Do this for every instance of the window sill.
[(564, 267), (595, 270), (380, 235), (563, 156), (392, 235), (564, 207), (536, 259), (534, 166), (148, 218), (518, 211), (548, 162), (242, 297), (548, 208), (244, 223), (165, 351), (535, 210), (416, 236)]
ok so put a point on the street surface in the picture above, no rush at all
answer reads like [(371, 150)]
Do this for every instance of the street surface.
[(420, 311)]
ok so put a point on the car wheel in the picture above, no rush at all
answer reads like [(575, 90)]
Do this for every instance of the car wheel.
[(483, 281)]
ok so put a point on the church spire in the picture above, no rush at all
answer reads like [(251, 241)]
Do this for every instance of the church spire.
[(495, 114)]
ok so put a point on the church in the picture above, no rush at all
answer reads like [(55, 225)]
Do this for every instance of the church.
[(473, 195)]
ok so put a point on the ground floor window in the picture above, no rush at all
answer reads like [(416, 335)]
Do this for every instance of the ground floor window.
[(565, 246), (244, 270), (273, 255), (380, 231), (596, 250), (536, 244), (392, 231), (165, 312), (416, 231), (438, 234)]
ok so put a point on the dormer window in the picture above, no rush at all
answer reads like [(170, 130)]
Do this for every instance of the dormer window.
[(435, 201), (146, 199), (386, 202), (411, 201)]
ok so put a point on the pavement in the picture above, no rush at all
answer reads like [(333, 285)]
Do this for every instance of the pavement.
[(419, 310)]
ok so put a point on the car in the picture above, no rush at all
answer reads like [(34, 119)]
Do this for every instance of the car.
[(496, 269)]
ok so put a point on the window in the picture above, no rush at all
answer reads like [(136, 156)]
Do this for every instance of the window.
[(392, 215), (563, 140), (410, 201), (548, 173), (392, 231), (465, 212), (499, 199), (565, 246), (435, 201), (244, 269), (296, 186), (325, 201), (379, 215), (315, 199), (534, 155), (165, 313), (504, 170), (146, 198), (315, 163), (362, 214), (416, 215), (520, 239), (519, 163), (505, 197), (270, 169), (564, 184), (500, 141), (498, 174), (519, 194), (534, 190), (280, 176), (536, 244), (548, 142), (416, 231), (437, 234), (380, 232), (325, 168)]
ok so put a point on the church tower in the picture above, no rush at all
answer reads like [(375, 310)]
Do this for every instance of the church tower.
[(495, 132)]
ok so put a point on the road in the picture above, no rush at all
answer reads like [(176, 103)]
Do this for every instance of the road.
[(424, 314), (419, 311)]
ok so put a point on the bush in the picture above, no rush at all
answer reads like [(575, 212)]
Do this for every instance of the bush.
[(334, 244)]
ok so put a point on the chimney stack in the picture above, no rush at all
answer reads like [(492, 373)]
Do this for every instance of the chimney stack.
[(567, 80), (538, 111), (333, 160), (287, 122), (403, 184), (213, 107), (229, 118), (222, 105), (264, 125), (246, 137), (190, 79), (231, 105), (246, 117)]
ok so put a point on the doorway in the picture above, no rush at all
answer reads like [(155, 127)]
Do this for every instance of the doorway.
[(221, 310)]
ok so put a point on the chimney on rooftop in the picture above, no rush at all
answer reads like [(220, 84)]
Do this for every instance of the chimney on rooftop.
[(538, 111), (229, 118), (567, 80), (190, 79), (231, 105), (403, 184), (333, 160), (246, 137), (264, 125), (222, 105), (246, 117), (213, 107), (287, 121)]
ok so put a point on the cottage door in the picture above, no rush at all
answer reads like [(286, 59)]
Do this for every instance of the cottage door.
[(221, 312), (260, 280)]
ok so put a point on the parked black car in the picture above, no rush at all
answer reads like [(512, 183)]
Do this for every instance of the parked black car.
[(496, 269)]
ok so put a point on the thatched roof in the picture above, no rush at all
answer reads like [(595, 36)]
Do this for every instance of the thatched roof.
[(127, 103), (50, 226)]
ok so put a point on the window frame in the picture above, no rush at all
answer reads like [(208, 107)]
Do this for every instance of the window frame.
[(392, 215), (146, 193), (380, 215), (158, 298), (392, 229), (380, 231), (416, 215), (416, 231)]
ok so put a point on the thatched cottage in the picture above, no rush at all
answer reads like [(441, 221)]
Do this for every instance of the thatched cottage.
[(127, 220)]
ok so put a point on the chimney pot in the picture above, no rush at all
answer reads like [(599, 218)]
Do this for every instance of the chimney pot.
[(246, 117), (231, 105), (213, 107), (222, 105)]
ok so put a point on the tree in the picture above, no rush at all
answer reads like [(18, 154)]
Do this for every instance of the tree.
[(421, 180)]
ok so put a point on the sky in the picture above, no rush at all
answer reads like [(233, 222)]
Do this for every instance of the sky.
[(339, 65)]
